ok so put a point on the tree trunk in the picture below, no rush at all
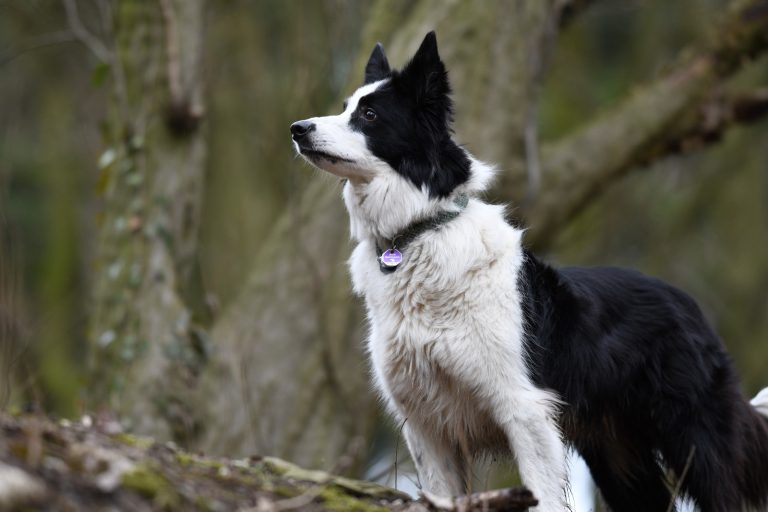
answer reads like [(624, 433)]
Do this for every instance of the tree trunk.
[(144, 349)]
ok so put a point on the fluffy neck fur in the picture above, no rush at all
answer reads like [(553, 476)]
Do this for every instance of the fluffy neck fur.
[(385, 205)]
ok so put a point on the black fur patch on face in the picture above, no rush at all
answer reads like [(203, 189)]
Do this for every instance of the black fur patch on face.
[(378, 65), (410, 127)]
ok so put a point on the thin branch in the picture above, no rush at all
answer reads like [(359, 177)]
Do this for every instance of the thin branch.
[(679, 484), (539, 57), (713, 119), (658, 116), (43, 41), (500, 499), (83, 35), (105, 14)]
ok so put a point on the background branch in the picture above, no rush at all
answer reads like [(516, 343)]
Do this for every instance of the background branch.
[(579, 167), (96, 47), (42, 41), (714, 116)]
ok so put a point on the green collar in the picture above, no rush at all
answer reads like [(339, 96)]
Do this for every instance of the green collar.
[(390, 258)]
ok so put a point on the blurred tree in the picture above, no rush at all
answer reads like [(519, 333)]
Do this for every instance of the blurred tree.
[(46, 151), (146, 350)]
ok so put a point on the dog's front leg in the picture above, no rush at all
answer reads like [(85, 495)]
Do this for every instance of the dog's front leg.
[(440, 467), (535, 440)]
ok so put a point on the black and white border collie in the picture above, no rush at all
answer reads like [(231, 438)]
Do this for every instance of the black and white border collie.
[(478, 347)]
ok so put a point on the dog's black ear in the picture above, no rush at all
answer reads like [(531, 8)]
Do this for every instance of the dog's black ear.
[(427, 52), (426, 77), (378, 66)]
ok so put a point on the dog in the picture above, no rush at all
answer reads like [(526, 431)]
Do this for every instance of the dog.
[(477, 347)]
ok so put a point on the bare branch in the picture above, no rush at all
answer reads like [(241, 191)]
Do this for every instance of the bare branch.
[(713, 118), (500, 499), (82, 34), (43, 41), (657, 120), (105, 14)]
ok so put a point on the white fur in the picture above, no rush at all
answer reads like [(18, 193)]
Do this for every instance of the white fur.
[(446, 347), (760, 402), (446, 328)]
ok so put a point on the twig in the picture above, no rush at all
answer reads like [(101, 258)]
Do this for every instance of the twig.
[(43, 41), (105, 13), (500, 499), (679, 483), (714, 117), (308, 496), (82, 34), (99, 49), (539, 57), (397, 446)]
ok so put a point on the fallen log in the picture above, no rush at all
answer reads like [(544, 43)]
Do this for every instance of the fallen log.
[(94, 465)]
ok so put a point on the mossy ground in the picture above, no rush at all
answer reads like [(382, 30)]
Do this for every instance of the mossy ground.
[(85, 467)]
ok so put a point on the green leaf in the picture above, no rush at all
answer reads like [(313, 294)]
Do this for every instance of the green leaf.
[(99, 74)]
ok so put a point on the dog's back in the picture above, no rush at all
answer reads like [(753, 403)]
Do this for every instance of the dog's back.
[(644, 375)]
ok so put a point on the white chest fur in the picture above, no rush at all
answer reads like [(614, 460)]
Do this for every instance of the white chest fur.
[(450, 312), (446, 347)]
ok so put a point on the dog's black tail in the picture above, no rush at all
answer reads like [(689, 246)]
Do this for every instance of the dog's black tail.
[(726, 467)]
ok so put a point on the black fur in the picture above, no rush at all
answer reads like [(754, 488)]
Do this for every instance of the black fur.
[(412, 129), (378, 65), (648, 387)]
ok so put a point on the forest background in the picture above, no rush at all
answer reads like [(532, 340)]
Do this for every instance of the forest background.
[(160, 243)]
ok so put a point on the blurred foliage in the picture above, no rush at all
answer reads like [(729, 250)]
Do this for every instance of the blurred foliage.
[(699, 221), (263, 58)]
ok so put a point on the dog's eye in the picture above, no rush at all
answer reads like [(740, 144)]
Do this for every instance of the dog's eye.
[(369, 114), (345, 104)]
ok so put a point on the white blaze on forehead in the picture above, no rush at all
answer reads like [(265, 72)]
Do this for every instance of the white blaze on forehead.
[(353, 100), (334, 136)]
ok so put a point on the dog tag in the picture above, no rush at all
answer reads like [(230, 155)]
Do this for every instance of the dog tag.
[(391, 258)]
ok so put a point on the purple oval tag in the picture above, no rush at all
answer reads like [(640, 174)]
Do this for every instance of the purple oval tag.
[(391, 258)]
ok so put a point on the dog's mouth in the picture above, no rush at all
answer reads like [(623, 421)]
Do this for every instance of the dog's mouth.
[(316, 155)]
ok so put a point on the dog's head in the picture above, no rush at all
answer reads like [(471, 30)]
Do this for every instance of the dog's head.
[(397, 122)]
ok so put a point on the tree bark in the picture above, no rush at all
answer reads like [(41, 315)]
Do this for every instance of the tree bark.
[(144, 350)]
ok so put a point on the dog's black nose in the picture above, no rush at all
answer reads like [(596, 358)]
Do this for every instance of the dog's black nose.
[(300, 128)]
